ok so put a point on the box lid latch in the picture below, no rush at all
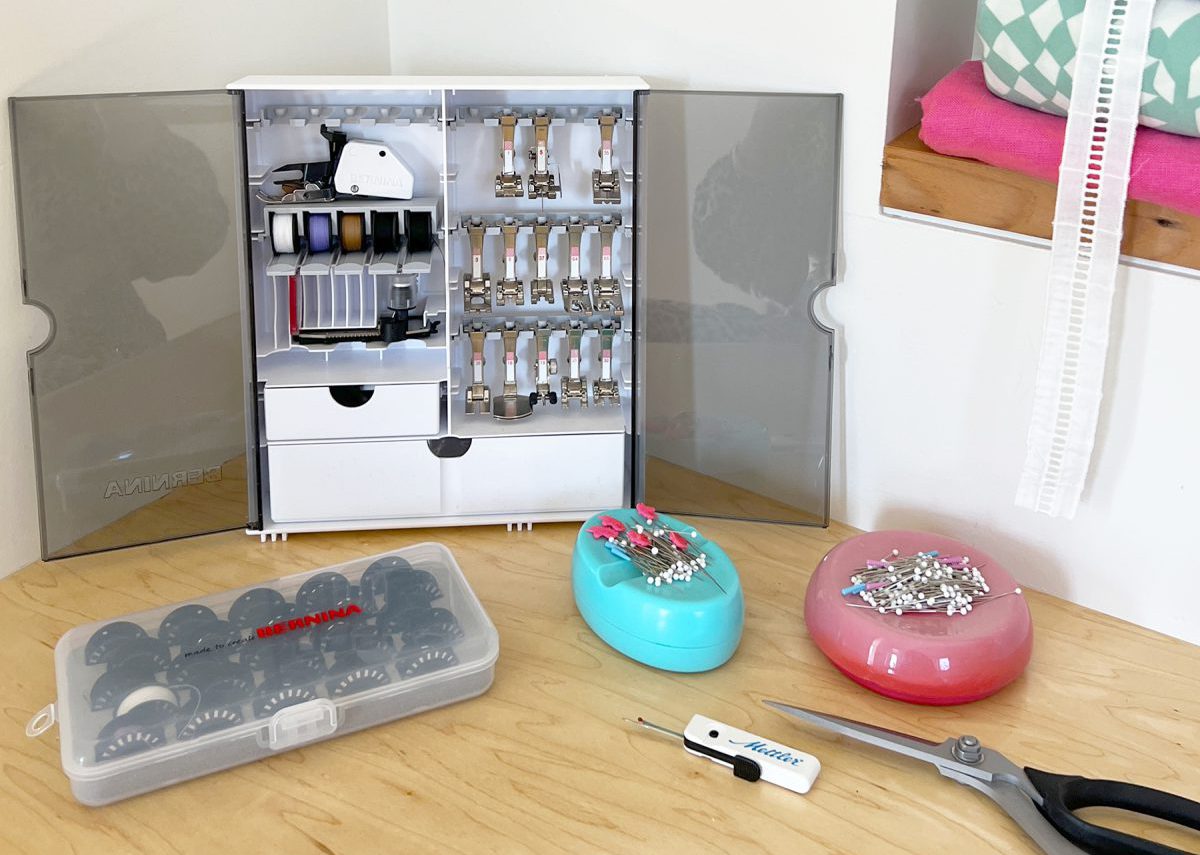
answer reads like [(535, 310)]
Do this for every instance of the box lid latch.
[(302, 723)]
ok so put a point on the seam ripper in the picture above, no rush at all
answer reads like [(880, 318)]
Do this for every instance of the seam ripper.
[(751, 757)]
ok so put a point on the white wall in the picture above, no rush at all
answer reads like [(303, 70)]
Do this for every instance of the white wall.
[(131, 46), (940, 329)]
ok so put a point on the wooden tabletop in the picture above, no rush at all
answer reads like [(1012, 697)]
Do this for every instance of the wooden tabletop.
[(543, 761)]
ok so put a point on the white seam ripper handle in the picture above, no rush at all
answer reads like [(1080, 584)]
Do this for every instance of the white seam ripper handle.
[(750, 756)]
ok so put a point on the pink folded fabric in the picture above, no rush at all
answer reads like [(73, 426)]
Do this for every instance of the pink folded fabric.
[(962, 118)]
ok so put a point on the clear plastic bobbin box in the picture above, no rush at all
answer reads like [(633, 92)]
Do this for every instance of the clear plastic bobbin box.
[(172, 693)]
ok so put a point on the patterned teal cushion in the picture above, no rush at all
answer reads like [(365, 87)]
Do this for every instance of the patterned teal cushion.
[(1029, 53)]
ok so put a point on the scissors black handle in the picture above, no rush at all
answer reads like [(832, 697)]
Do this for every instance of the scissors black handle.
[(1062, 794)]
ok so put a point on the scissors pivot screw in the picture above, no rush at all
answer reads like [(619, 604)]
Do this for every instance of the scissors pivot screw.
[(968, 750)]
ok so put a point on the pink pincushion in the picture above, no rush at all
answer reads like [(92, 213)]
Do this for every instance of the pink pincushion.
[(919, 658)]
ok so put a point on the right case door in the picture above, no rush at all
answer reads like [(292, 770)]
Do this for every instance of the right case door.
[(736, 217)]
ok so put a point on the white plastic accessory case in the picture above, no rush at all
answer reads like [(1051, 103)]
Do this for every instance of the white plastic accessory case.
[(172, 693)]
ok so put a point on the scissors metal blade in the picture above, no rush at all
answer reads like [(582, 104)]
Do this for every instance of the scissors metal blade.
[(938, 754), (900, 743)]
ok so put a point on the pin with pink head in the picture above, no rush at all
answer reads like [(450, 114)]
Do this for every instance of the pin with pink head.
[(603, 532), (639, 539), (612, 523), (648, 513), (678, 540)]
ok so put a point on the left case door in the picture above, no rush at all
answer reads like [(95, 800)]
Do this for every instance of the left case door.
[(132, 232)]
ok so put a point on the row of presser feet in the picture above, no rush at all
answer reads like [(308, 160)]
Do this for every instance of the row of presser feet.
[(543, 181), (511, 404), (479, 290)]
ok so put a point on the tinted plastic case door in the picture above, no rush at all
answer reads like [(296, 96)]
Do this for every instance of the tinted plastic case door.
[(737, 213), (131, 209)]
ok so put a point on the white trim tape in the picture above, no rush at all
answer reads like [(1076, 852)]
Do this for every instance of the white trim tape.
[(1088, 219)]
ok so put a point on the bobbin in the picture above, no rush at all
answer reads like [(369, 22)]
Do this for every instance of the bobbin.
[(210, 720), (351, 673), (385, 231), (265, 654), (144, 655), (127, 738), (352, 231), (426, 661), (285, 237), (108, 638), (431, 628), (374, 582), (256, 608), (185, 620), (303, 667), (319, 231), (275, 696), (322, 592)]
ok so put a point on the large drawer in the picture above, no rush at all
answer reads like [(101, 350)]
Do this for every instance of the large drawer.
[(531, 474), (351, 412), (311, 482), (353, 480)]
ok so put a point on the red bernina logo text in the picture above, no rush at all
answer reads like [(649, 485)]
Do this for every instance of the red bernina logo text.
[(307, 620)]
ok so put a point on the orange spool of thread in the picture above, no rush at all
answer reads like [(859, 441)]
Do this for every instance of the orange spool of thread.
[(351, 230)]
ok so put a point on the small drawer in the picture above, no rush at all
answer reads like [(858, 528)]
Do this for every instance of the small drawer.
[(351, 412), (353, 481)]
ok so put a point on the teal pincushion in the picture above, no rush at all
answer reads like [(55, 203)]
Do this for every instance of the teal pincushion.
[(684, 626)]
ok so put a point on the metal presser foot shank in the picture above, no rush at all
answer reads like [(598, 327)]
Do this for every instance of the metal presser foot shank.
[(477, 285), (545, 366), (606, 291), (543, 184), (510, 289), (508, 183), (509, 405), (541, 288), (479, 396), (574, 386), (605, 390), (574, 287), (606, 183)]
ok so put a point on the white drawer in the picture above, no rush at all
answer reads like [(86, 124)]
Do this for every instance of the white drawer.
[(530, 474), (353, 480), (351, 412)]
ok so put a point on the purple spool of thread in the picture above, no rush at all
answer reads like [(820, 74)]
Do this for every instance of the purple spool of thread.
[(320, 232)]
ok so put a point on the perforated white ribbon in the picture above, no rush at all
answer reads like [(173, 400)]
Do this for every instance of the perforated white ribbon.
[(1088, 217)]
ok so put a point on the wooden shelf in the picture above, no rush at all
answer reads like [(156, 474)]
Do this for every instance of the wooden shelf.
[(918, 179)]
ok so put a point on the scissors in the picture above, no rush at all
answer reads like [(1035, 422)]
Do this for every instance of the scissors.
[(1040, 802)]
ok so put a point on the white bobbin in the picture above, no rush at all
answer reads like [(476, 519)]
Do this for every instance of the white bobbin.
[(283, 233), (145, 695)]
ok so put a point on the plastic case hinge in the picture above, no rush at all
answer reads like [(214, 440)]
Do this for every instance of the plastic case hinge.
[(42, 720), (302, 723)]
